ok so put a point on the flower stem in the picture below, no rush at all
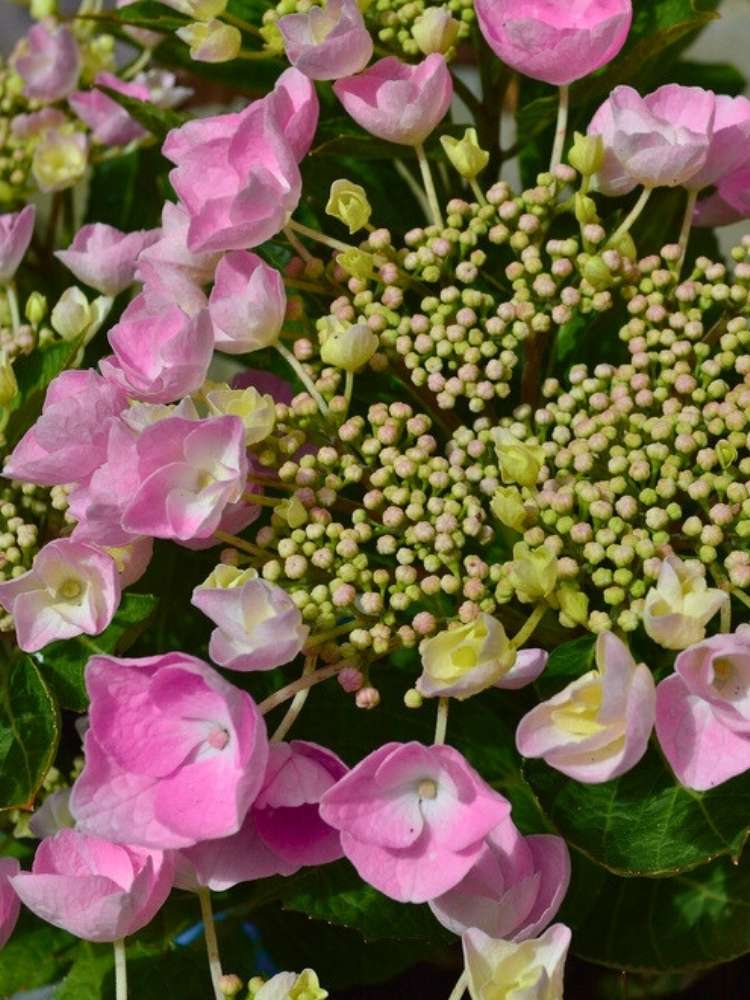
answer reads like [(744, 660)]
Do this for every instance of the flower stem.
[(740, 596), (15, 314), (562, 127), (313, 234), (137, 65), (121, 971), (687, 225), (316, 640), (298, 245), (212, 944), (302, 376), (529, 626), (477, 192), (298, 703), (348, 387), (634, 213), (290, 690), (441, 721), (260, 500), (725, 620), (239, 22), (239, 543), (460, 988), (429, 185)]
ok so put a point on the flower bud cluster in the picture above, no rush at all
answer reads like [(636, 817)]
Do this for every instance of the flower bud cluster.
[(24, 509)]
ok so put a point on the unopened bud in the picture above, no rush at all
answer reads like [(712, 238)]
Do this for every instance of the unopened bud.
[(72, 314), (507, 506), (533, 572), (585, 209), (587, 154), (413, 699), (201, 10), (349, 349), (466, 154), (435, 31), (211, 41), (230, 985), (597, 274), (8, 383), (348, 203), (60, 159), (358, 263), (574, 604), (36, 308), (367, 697)]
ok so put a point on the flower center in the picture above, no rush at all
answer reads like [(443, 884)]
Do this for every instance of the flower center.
[(427, 789), (70, 589), (580, 716), (218, 738)]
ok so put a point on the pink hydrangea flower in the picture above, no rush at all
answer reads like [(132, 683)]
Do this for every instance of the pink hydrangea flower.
[(661, 140), (247, 303), (160, 353), (729, 203), (259, 626), (188, 471), (110, 123), (72, 588), (328, 42), (729, 148), (16, 229), (533, 969), (36, 123), (163, 89), (514, 889), (283, 831), (10, 904), (174, 753), (95, 889), (529, 665), (105, 258), (48, 61), (69, 440), (703, 711), (296, 109), (396, 101), (553, 41), (597, 727), (236, 175), (413, 819), (132, 559)]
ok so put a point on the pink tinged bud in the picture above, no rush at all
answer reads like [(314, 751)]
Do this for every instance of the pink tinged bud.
[(351, 679), (597, 727), (730, 202), (71, 589), (413, 819), (661, 140), (110, 123), (95, 889), (48, 61), (161, 353), (69, 440), (10, 904), (16, 229), (188, 471), (247, 303), (105, 258), (533, 969), (396, 101), (158, 770), (328, 42), (681, 604), (703, 712), (259, 627), (367, 698), (514, 889), (555, 42)]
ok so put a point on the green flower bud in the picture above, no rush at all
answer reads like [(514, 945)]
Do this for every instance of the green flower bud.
[(435, 31), (202, 10), (75, 316), (625, 246), (357, 263), (272, 37), (43, 8), (585, 208), (8, 383), (350, 348), (413, 699), (587, 154), (36, 308), (520, 461), (59, 160), (211, 41), (726, 453), (466, 154), (597, 274), (507, 506), (533, 572), (573, 603), (348, 203)]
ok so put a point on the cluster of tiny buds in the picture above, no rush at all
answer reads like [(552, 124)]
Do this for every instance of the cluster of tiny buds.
[(23, 510)]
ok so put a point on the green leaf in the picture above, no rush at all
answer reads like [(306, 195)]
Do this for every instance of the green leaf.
[(722, 78), (29, 732), (148, 14), (566, 663), (62, 663), (129, 191), (34, 372), (158, 121), (335, 893), (35, 955), (680, 924)]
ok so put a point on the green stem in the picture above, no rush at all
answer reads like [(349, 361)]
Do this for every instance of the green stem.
[(561, 129), (313, 234), (740, 596), (460, 988), (239, 543), (687, 225), (441, 721), (302, 376), (290, 690), (121, 971), (725, 620), (212, 944), (298, 703), (348, 388), (240, 23), (260, 500), (634, 213), (253, 56), (529, 626), (297, 245), (15, 314), (477, 191), (429, 185), (137, 65), (331, 633)]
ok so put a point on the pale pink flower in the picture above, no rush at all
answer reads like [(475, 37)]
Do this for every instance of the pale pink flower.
[(295, 106), (729, 148), (529, 664), (247, 303), (327, 42), (729, 203), (188, 471), (174, 753), (703, 712), (132, 560), (526, 970), (259, 626), (661, 140), (10, 904), (105, 258), (72, 588), (69, 440), (160, 353), (48, 61), (163, 89), (413, 819), (555, 41), (110, 123), (514, 889), (36, 123), (680, 605), (598, 727), (93, 888), (396, 101), (283, 831), (16, 230)]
